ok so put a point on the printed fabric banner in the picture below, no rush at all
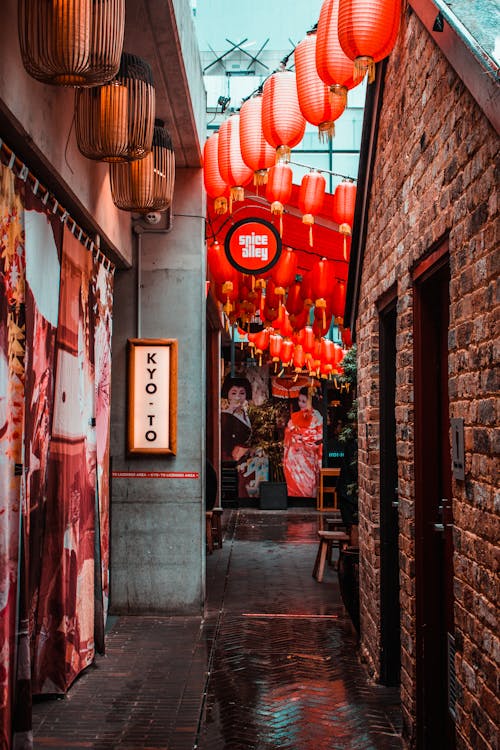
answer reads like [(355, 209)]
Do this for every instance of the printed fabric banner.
[(102, 290), (64, 627), (12, 278)]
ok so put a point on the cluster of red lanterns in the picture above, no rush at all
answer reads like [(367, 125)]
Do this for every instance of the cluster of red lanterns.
[(351, 36), (296, 313)]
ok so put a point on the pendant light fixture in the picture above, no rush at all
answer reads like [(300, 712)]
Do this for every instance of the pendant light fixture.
[(115, 121), (71, 42), (146, 184)]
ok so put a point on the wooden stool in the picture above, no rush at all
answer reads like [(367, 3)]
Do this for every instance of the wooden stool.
[(208, 531), (326, 541), (217, 527), (324, 489)]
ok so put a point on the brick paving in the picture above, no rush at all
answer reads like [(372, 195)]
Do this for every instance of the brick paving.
[(272, 665)]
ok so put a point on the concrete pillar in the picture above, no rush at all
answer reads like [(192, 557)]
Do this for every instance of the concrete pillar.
[(157, 525)]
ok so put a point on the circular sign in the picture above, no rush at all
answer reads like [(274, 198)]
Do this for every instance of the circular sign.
[(253, 246)]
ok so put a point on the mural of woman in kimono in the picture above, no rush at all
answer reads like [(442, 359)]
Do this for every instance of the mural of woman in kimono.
[(303, 448), (235, 423)]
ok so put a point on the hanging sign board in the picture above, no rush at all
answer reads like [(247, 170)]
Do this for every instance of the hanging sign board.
[(152, 396), (253, 246)]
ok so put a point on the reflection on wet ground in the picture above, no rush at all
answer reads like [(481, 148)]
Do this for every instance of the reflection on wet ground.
[(274, 664)]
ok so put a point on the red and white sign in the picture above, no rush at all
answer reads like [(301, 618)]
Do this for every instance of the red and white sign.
[(155, 475), (253, 246)]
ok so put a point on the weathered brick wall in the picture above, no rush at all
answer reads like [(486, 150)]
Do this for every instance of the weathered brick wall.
[(435, 173)]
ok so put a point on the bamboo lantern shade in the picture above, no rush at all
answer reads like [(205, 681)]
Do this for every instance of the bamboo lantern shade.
[(115, 122), (146, 184), (71, 42)]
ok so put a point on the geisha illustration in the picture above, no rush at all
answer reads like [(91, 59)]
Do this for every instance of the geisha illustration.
[(303, 448)]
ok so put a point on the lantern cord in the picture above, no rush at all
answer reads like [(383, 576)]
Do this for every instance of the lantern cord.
[(326, 171), (67, 142), (51, 203)]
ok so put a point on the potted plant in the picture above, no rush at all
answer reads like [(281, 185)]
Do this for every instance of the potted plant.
[(267, 421)]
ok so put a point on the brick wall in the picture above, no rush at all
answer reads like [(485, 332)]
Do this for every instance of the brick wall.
[(435, 175)]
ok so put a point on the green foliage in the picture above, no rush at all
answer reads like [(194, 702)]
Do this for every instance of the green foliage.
[(267, 423), (350, 367)]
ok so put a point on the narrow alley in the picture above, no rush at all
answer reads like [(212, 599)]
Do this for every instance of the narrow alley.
[(274, 664)]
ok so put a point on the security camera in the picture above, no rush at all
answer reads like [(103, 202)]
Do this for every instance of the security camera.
[(153, 217)]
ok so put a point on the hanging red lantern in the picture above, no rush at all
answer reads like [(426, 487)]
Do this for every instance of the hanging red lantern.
[(218, 264), (233, 169), (261, 343), (333, 65), (275, 342), (279, 189), (306, 290), (343, 205), (367, 32), (322, 322), (283, 124), (299, 321), (228, 294), (294, 302), (316, 104), (322, 276), (284, 272), (214, 184), (299, 357), (286, 354), (337, 300), (257, 153), (285, 325), (308, 340), (347, 338), (311, 197)]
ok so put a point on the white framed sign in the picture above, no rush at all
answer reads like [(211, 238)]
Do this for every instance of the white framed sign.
[(152, 396)]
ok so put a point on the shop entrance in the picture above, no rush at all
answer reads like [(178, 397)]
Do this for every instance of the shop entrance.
[(390, 658), (433, 507)]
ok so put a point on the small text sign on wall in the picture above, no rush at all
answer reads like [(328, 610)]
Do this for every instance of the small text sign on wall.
[(152, 396)]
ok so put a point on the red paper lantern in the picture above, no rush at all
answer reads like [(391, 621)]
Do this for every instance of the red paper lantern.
[(367, 32), (261, 343), (311, 197), (322, 322), (233, 169), (308, 340), (218, 264), (283, 124), (316, 104), (334, 66), (284, 272), (306, 290), (275, 342), (285, 325), (299, 357), (287, 347), (214, 184), (257, 153), (337, 300), (294, 302), (279, 189), (346, 337), (322, 278), (299, 321), (343, 205)]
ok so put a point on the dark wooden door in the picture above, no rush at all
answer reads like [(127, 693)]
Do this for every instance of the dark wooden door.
[(390, 656), (433, 510)]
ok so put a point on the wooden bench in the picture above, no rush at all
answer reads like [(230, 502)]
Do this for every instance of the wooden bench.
[(327, 539)]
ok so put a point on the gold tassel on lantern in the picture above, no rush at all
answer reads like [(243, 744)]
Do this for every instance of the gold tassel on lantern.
[(326, 130), (308, 220), (220, 205), (363, 64), (278, 208), (345, 229), (321, 304), (237, 194), (260, 177), (283, 154)]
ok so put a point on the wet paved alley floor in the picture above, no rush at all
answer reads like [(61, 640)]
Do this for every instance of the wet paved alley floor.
[(273, 664)]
